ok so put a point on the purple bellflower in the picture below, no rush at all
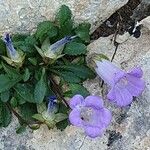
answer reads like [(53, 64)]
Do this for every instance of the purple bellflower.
[(123, 85), (89, 114), (15, 58)]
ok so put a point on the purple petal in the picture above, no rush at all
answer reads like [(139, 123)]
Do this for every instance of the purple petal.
[(93, 132), (75, 118), (76, 100), (139, 83), (61, 43), (136, 90), (111, 94), (119, 75), (108, 72), (94, 101), (136, 72), (123, 97), (105, 116)]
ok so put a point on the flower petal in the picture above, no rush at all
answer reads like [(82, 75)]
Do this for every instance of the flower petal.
[(93, 132), (76, 100), (111, 94), (75, 118), (136, 90), (105, 116), (94, 101), (139, 83), (123, 97), (136, 72)]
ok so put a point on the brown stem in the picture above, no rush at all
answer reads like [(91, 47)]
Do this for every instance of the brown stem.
[(58, 91), (29, 124), (17, 115)]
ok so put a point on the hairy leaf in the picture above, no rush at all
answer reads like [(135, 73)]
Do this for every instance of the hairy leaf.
[(64, 18), (45, 29), (83, 31), (6, 83), (78, 89), (25, 91), (75, 48), (5, 115), (40, 89), (5, 96)]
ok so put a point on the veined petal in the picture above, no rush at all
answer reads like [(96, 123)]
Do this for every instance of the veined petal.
[(105, 116), (123, 97), (136, 72), (76, 100), (94, 101), (75, 118), (107, 71), (111, 94), (135, 85), (93, 132)]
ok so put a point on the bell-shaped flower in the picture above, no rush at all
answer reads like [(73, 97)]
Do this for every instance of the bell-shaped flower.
[(89, 114), (54, 51), (123, 85), (15, 58)]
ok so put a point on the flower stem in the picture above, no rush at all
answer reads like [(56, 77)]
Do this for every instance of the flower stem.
[(58, 91)]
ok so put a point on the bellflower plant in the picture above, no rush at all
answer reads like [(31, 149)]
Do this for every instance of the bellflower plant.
[(54, 51), (15, 58), (89, 114), (123, 85)]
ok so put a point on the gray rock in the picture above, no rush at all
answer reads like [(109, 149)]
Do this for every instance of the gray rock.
[(130, 127), (24, 15)]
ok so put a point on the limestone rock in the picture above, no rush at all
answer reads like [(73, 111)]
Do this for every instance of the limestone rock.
[(24, 15)]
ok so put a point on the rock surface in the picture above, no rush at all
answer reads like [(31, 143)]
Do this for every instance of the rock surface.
[(130, 127), (24, 15)]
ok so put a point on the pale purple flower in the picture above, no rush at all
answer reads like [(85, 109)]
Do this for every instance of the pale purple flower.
[(123, 85), (89, 114), (9, 45), (55, 47)]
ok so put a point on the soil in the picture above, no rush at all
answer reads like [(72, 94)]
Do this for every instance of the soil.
[(122, 18)]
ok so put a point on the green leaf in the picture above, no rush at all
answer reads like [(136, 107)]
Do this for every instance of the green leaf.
[(26, 75), (27, 45), (6, 83), (60, 117), (75, 48), (27, 110), (70, 77), (5, 96), (64, 18), (21, 129), (83, 31), (64, 14), (11, 72), (62, 124), (38, 117), (13, 102), (3, 47), (5, 115), (33, 61), (78, 89), (25, 91), (45, 29), (80, 71), (41, 108), (40, 89)]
